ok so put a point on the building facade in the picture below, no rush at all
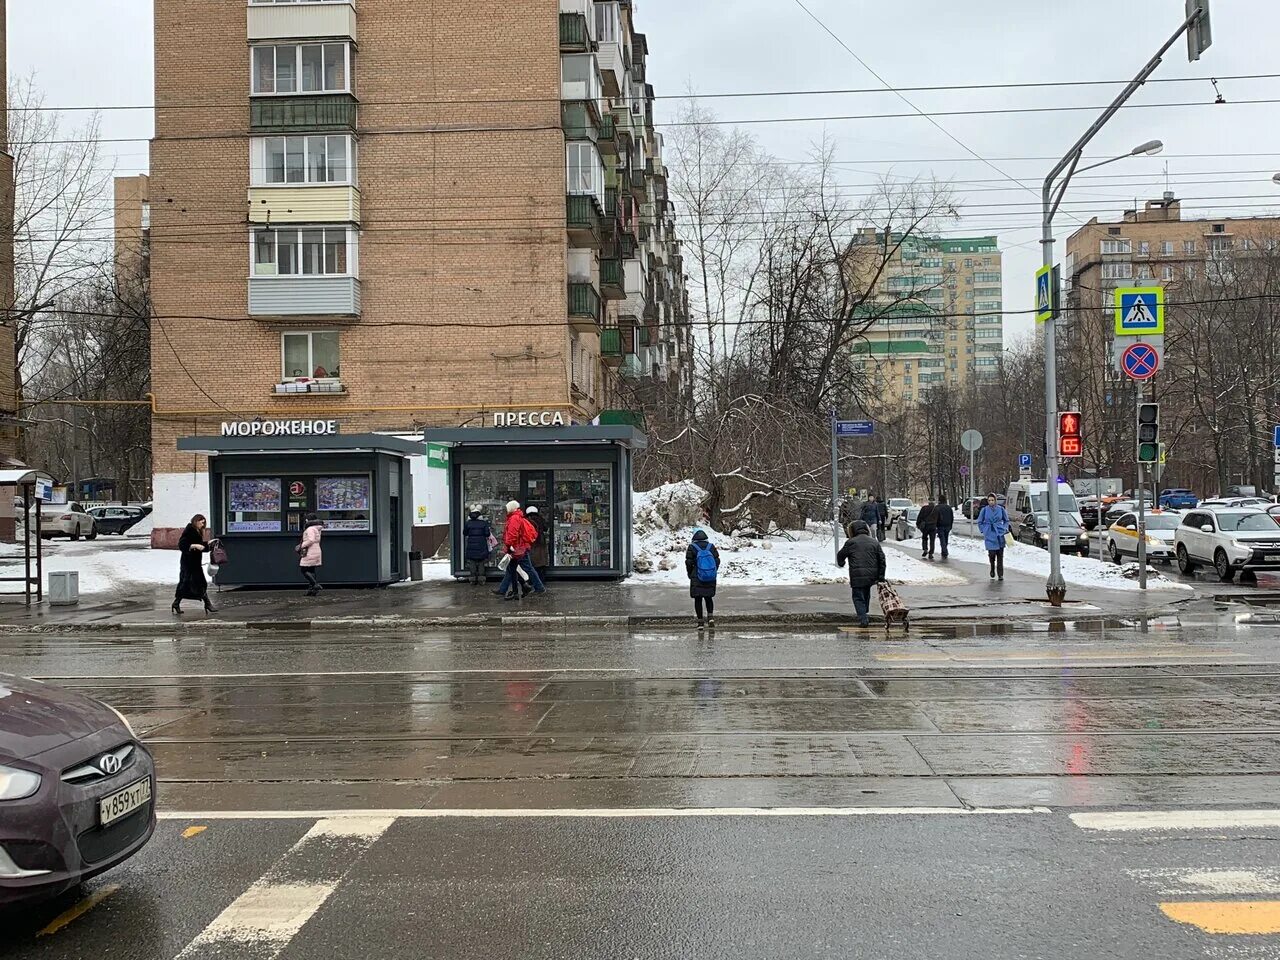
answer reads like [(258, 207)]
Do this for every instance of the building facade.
[(940, 318), (395, 214), (9, 420), (131, 210)]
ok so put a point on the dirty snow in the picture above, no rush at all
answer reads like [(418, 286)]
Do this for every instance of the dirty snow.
[(665, 520), (1083, 571)]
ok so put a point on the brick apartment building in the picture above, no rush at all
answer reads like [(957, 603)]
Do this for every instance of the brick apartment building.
[(398, 213), (131, 218), (9, 421), (942, 321)]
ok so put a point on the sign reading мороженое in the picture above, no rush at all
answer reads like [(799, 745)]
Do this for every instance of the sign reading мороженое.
[(280, 428), (529, 418)]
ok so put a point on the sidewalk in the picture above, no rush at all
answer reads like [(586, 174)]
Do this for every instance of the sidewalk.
[(444, 603)]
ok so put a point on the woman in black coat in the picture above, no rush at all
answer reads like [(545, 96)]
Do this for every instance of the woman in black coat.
[(701, 590), (191, 582)]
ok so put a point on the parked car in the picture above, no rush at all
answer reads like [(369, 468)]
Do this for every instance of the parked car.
[(66, 520), (1035, 528), (115, 519), (76, 790), (1235, 503), (904, 527), (1228, 540), (1118, 510), (1120, 540), (1178, 498), (896, 506)]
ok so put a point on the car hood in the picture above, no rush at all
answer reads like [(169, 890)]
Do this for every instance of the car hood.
[(1255, 536), (35, 717)]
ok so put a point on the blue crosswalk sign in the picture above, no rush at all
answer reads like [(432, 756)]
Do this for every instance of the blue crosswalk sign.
[(1044, 294), (1140, 311)]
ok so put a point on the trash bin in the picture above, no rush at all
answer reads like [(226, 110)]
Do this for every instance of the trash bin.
[(64, 587), (415, 565)]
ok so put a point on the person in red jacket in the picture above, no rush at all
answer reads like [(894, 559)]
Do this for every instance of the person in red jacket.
[(518, 538)]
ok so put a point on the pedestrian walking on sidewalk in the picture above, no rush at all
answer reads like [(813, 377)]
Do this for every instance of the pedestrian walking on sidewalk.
[(702, 564), (192, 584), (993, 521), (539, 554), (866, 562), (882, 521), (477, 543), (927, 524), (517, 540), (946, 520), (310, 556)]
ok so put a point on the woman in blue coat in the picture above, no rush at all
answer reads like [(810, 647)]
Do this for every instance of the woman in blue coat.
[(993, 521)]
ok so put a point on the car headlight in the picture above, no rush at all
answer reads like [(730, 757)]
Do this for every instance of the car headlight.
[(17, 784), (1044, 536), (1083, 538), (123, 719)]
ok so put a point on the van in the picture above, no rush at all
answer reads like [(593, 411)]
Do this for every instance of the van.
[(1026, 498)]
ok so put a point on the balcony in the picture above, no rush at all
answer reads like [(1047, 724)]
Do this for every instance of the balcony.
[(631, 367), (299, 21), (575, 37), (611, 286), (584, 307), (608, 142), (611, 346), (582, 215), (303, 114), (319, 204), (304, 296), (580, 120)]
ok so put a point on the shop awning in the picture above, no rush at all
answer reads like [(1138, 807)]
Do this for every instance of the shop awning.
[(330, 443), (578, 434)]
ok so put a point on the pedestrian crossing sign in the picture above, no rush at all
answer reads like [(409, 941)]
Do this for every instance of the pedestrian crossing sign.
[(1044, 294), (1140, 311)]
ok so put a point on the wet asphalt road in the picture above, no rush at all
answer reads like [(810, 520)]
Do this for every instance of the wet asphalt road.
[(352, 738)]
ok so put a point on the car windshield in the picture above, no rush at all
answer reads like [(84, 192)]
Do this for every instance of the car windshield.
[(1162, 523), (1257, 522), (1064, 522), (1066, 501)]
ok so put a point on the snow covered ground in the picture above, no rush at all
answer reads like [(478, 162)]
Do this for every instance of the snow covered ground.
[(106, 565)]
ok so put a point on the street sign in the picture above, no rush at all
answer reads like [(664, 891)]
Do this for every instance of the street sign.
[(971, 440), (1278, 437), (1024, 461), (964, 469), (1277, 457), (855, 428), (1199, 33), (1044, 294), (1139, 311), (1140, 361)]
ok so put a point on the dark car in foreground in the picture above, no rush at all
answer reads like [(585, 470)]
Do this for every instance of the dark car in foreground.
[(76, 790)]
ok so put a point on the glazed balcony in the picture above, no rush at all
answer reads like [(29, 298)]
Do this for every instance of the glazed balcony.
[(304, 296)]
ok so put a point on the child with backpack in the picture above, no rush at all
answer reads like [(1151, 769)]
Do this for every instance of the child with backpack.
[(702, 563)]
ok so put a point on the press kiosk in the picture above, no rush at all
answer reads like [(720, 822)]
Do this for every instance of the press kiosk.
[(266, 476), (578, 476)]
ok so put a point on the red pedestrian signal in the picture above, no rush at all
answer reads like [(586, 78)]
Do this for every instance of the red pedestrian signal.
[(1070, 442)]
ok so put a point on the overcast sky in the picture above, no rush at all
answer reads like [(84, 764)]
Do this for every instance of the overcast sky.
[(98, 52)]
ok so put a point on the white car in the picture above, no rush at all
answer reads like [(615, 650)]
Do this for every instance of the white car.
[(66, 520), (1228, 540), (897, 506), (1235, 503), (1120, 540)]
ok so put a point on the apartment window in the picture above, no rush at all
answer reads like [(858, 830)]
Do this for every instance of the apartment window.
[(986, 305), (1117, 271), (1144, 272), (608, 23), (1189, 272), (987, 334), (1167, 273), (987, 361), (306, 252), (306, 159), (580, 77), (309, 355), (1219, 228), (585, 169), (1117, 246), (1144, 248), (1188, 246), (1246, 244), (906, 381), (986, 278), (301, 68), (1166, 248), (1219, 244)]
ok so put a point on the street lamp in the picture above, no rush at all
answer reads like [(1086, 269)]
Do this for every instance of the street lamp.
[(1051, 197)]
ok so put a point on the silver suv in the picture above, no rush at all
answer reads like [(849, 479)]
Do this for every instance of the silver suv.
[(1228, 540)]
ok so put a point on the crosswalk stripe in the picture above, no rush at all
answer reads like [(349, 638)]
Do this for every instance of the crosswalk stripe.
[(1176, 820), (267, 916), (601, 813), (1247, 917), (1189, 882)]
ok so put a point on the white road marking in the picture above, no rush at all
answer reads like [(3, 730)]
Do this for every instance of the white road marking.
[(1199, 882), (270, 913), (1177, 820), (621, 813)]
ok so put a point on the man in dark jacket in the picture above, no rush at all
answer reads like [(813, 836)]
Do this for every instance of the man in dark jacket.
[(866, 567), (946, 520), (883, 522), (870, 513), (927, 524), (475, 544)]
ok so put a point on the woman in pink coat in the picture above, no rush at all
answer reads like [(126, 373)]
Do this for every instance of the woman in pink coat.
[(310, 555)]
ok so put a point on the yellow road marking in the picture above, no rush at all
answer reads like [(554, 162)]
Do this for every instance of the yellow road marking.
[(1231, 917), (190, 832), (79, 910)]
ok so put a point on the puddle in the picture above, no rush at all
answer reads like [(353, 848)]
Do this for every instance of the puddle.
[(1084, 625)]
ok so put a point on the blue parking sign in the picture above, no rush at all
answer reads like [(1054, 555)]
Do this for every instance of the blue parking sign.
[(1278, 437), (1024, 461)]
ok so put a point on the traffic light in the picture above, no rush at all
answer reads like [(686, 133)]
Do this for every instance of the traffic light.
[(1070, 443), (1148, 433)]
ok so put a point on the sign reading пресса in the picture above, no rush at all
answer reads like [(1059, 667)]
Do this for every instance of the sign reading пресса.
[(530, 418), (280, 428)]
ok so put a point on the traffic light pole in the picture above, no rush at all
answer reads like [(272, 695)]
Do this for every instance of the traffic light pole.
[(1142, 500), (1051, 197)]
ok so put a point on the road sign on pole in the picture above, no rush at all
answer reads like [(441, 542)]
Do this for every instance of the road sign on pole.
[(855, 428), (1277, 435), (1199, 33), (971, 440), (1139, 311), (1024, 461), (1044, 294), (1140, 361)]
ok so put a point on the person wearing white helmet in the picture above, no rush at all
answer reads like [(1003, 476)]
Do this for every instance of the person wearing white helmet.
[(477, 543)]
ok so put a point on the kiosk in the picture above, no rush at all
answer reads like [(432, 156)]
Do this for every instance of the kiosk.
[(263, 482), (579, 478)]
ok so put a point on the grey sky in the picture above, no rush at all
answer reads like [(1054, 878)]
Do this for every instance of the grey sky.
[(756, 45)]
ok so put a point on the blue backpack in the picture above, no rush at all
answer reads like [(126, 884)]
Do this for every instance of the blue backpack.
[(706, 562)]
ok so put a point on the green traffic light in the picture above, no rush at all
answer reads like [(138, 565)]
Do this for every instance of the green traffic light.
[(1148, 453)]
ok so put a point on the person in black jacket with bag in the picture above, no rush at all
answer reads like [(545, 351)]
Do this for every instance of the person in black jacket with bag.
[(866, 567), (946, 520), (191, 582), (476, 534), (927, 524)]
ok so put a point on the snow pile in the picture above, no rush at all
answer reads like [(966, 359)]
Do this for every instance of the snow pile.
[(1084, 571), (664, 523)]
